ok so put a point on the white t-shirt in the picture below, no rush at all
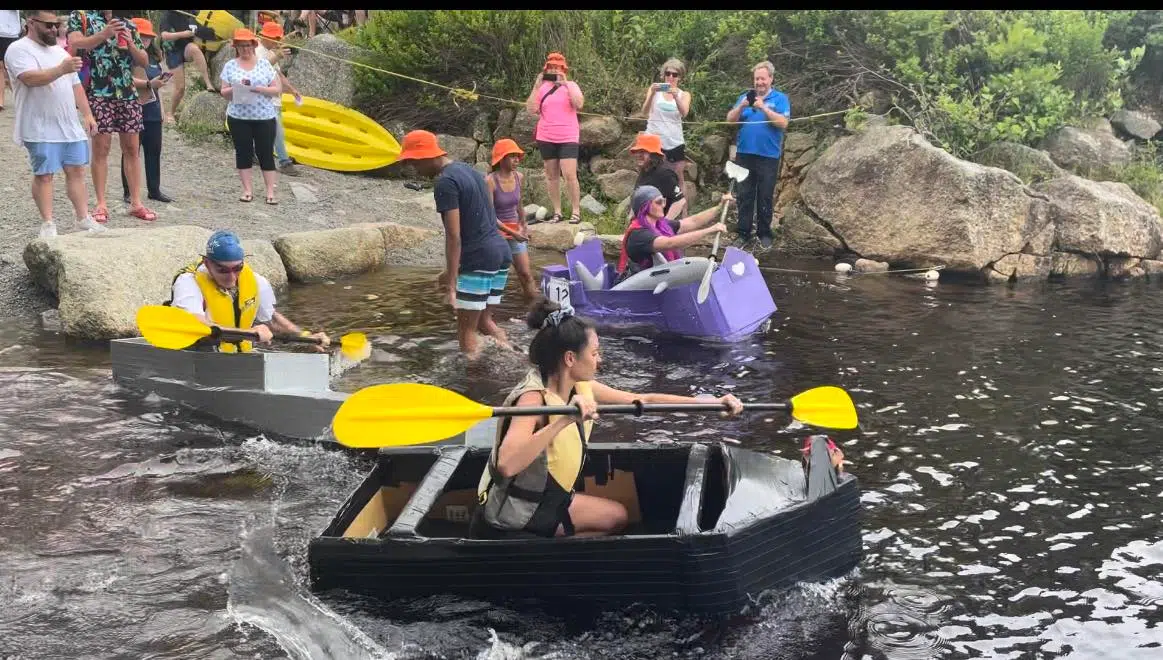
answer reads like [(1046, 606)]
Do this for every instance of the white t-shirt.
[(47, 113), (189, 297), (9, 23)]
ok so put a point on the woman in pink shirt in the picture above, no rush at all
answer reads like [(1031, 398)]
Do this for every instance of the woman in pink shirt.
[(557, 102)]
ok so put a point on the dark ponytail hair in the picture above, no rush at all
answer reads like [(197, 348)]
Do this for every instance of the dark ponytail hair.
[(552, 340)]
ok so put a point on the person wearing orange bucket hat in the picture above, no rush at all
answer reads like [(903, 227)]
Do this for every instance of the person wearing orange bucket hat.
[(271, 49), (647, 152), (505, 185), (475, 253), (557, 101)]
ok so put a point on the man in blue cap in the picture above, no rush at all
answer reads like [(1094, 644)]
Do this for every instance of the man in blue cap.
[(222, 290)]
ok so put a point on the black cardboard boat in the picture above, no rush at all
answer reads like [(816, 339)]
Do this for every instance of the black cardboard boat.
[(711, 526)]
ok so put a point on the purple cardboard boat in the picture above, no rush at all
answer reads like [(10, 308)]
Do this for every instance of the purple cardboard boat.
[(664, 296)]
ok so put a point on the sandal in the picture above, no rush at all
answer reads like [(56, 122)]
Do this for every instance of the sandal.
[(101, 214), (246, 197), (272, 201), (556, 217), (575, 219), (142, 213)]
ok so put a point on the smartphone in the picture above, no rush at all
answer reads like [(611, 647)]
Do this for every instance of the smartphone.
[(751, 97), (664, 87), (549, 77), (166, 75)]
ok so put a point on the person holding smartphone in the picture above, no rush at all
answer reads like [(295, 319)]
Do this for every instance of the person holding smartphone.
[(764, 112), (557, 101), (149, 80), (665, 107)]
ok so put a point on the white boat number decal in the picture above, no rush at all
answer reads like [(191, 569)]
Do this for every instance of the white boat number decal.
[(557, 290)]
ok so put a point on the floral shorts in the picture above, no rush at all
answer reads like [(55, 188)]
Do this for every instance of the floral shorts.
[(116, 115)]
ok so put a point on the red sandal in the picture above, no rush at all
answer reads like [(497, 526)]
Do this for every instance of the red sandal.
[(142, 213), (101, 214)]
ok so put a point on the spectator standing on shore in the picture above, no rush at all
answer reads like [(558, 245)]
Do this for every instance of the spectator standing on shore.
[(48, 96), (9, 33), (178, 33), (665, 107), (557, 101), (251, 84), (475, 254), (113, 47), (272, 51), (764, 112), (148, 82)]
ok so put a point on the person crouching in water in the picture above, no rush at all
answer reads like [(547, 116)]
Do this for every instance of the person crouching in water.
[(651, 232), (505, 186), (527, 485)]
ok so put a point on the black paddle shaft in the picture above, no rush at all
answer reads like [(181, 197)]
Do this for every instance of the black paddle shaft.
[(636, 408), (217, 332)]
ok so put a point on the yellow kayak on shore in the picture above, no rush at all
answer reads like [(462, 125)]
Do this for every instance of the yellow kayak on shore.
[(222, 22), (330, 136)]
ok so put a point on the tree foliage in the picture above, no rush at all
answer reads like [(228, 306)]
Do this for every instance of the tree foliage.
[(965, 78)]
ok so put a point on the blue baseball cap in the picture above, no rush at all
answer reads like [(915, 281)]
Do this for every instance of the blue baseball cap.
[(224, 246)]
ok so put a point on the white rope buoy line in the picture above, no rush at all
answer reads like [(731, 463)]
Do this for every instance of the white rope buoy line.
[(845, 268)]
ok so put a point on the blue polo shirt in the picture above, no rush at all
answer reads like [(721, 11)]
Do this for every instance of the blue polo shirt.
[(762, 139)]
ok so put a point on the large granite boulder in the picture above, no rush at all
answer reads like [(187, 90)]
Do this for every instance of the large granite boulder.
[(329, 78), (1135, 125), (99, 294), (1093, 152), (598, 132), (891, 196), (1031, 165), (203, 112), (1102, 218), (312, 256), (618, 184)]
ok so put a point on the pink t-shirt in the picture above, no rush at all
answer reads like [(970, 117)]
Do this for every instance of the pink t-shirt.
[(558, 123)]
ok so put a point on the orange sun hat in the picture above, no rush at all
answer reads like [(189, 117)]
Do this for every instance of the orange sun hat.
[(144, 27), (419, 145), (555, 58), (503, 148), (243, 34), (647, 142), (271, 30)]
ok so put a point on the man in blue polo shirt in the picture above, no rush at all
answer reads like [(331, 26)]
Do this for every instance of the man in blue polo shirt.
[(764, 113)]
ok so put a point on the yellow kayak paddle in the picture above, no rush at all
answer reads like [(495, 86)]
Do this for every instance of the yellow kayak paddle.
[(400, 414), (175, 328)]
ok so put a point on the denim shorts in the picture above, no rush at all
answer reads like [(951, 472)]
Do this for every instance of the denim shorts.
[(52, 157), (517, 247)]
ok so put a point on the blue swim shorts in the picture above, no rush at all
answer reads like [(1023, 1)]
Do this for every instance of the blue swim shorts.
[(52, 157), (476, 289)]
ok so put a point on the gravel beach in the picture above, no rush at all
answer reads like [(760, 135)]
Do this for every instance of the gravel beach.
[(199, 174)]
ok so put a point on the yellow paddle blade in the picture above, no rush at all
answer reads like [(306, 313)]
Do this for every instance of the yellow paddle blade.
[(170, 327), (827, 407), (355, 346), (401, 414)]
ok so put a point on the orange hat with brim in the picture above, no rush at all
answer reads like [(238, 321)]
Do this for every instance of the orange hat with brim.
[(271, 30), (503, 148), (144, 27), (243, 34), (419, 145), (648, 142), (556, 58)]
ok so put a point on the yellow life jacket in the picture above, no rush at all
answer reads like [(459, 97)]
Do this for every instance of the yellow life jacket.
[(537, 498), (223, 308)]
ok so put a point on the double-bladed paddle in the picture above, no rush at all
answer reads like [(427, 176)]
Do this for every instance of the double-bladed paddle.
[(175, 328), (401, 414)]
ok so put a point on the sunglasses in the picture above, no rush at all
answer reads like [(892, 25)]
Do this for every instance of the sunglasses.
[(56, 23), (225, 269)]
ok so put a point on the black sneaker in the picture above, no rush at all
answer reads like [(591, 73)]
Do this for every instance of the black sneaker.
[(765, 242), (741, 242)]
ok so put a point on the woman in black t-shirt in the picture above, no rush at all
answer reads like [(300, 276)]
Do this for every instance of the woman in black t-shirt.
[(647, 152)]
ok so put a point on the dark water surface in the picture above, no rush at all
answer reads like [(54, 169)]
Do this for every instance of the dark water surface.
[(1008, 456)]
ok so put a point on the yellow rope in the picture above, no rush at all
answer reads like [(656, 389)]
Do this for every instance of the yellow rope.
[(472, 95)]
